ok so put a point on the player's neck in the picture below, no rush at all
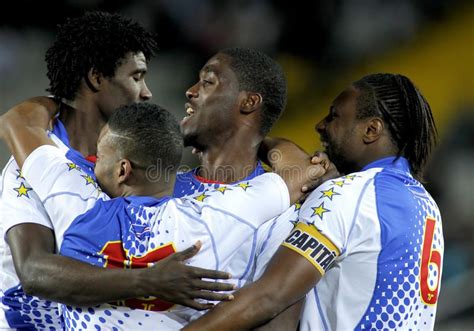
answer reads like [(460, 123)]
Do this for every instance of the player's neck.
[(229, 162), (157, 190), (83, 124)]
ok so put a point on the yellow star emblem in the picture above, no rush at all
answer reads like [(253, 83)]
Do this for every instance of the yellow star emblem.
[(351, 177), (339, 183), (297, 206), (328, 193), (201, 197), (22, 190), (89, 180), (73, 166), (222, 189), (19, 174), (319, 210), (244, 186)]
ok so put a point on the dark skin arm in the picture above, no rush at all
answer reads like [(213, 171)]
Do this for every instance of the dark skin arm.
[(62, 279), (286, 320), (59, 278), (287, 279)]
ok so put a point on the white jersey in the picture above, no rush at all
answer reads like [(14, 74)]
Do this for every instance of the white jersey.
[(138, 231), (20, 204), (268, 237), (376, 237)]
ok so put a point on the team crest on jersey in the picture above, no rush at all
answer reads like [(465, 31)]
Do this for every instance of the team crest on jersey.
[(117, 257), (308, 241)]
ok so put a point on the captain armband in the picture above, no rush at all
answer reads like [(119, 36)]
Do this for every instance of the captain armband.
[(316, 248)]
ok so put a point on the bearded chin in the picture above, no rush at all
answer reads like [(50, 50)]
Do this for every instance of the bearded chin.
[(336, 156)]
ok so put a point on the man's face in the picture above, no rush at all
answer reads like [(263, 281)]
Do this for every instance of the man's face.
[(341, 132), (213, 103), (126, 86), (106, 164)]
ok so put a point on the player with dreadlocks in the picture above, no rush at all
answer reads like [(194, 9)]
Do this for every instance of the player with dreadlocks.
[(369, 245), (97, 63)]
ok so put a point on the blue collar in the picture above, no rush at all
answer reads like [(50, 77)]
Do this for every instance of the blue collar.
[(60, 131), (399, 163), (146, 201)]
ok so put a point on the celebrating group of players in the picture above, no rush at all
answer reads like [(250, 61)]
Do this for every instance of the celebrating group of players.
[(94, 215)]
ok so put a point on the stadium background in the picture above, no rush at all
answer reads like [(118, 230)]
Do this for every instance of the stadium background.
[(322, 46)]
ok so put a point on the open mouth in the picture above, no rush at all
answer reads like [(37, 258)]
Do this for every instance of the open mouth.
[(189, 110)]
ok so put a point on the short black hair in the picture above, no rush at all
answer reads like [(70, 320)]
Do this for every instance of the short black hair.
[(405, 111), (259, 73), (148, 135), (96, 40)]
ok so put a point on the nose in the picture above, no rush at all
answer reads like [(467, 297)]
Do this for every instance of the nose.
[(145, 93), (192, 92), (320, 126)]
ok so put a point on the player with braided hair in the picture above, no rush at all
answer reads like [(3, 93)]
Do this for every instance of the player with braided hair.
[(368, 247), (391, 96)]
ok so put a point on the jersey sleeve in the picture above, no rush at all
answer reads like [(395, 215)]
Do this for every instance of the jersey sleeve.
[(270, 237), (64, 189), (19, 203), (324, 224), (255, 201)]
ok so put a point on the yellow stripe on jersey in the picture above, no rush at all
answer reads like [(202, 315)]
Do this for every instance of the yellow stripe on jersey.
[(315, 247)]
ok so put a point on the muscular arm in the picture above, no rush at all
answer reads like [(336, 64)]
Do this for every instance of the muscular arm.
[(286, 320), (23, 128), (287, 279), (58, 278)]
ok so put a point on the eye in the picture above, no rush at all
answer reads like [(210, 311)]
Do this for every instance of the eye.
[(206, 82), (138, 76)]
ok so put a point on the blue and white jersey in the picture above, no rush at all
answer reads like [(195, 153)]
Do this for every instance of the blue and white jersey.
[(20, 204), (376, 237), (139, 231), (267, 239)]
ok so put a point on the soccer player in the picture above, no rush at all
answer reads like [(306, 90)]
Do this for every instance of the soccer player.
[(240, 94), (145, 222), (369, 245), (97, 63)]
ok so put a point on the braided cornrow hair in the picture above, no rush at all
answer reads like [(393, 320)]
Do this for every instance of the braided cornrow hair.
[(405, 111)]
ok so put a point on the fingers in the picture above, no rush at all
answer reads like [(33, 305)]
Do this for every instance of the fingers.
[(188, 252), (213, 296), (197, 305), (319, 157), (208, 273), (214, 286)]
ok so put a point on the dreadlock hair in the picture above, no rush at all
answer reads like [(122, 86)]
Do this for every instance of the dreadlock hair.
[(405, 111), (148, 135), (96, 40), (257, 72)]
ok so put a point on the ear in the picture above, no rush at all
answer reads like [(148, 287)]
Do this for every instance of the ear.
[(373, 130), (251, 102), (94, 80), (124, 171)]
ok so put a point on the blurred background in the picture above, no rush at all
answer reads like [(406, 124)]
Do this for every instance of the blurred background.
[(322, 46)]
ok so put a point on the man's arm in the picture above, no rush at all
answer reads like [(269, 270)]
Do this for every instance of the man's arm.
[(286, 320), (23, 127), (66, 280), (287, 279)]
